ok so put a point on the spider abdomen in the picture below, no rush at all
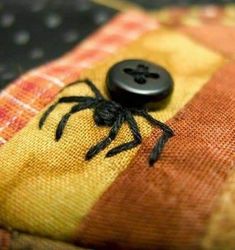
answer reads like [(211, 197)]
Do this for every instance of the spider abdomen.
[(106, 113)]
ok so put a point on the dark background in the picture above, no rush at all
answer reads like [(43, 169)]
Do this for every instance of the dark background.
[(35, 32)]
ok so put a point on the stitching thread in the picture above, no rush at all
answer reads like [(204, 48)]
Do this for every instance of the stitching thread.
[(111, 114)]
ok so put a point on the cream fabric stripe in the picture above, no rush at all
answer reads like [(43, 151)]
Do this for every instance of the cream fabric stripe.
[(45, 76), (14, 99)]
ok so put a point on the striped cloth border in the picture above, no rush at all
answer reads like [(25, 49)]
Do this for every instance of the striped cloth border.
[(25, 97), (197, 15)]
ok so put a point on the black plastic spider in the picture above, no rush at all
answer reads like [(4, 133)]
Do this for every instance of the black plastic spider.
[(111, 114)]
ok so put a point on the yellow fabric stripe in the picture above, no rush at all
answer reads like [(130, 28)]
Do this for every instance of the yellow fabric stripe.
[(46, 187), (118, 4)]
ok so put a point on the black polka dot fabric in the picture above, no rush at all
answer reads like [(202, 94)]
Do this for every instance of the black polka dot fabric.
[(35, 32)]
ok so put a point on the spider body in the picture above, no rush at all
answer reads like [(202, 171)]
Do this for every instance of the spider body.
[(106, 112), (111, 114)]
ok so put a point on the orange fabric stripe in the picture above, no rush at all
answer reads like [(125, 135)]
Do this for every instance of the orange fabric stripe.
[(4, 240), (29, 94), (167, 207), (217, 36)]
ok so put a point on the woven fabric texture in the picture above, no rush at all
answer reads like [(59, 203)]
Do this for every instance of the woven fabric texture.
[(48, 190), (168, 207), (59, 168), (19, 241), (197, 16), (29, 94)]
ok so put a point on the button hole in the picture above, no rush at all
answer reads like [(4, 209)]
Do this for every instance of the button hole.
[(153, 75), (142, 68), (140, 79), (128, 71), (141, 73)]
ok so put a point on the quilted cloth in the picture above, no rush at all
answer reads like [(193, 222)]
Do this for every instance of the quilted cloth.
[(52, 198)]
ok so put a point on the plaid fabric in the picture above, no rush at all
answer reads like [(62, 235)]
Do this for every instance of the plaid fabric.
[(198, 16), (30, 93), (48, 189)]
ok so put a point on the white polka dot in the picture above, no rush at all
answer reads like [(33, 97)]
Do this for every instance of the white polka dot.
[(8, 75), (36, 53), (53, 20), (37, 6), (7, 20), (83, 5), (2, 68), (22, 37), (71, 36), (100, 17)]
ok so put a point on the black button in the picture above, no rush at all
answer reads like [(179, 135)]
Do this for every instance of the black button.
[(138, 82)]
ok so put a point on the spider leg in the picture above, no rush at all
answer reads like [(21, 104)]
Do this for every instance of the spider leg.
[(167, 134), (158, 148), (128, 145), (91, 85), (107, 140), (66, 99), (154, 122), (76, 108)]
